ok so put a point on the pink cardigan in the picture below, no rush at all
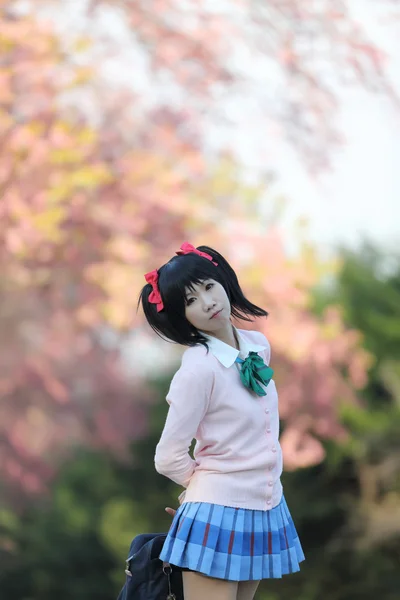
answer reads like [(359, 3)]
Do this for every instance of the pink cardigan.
[(237, 457)]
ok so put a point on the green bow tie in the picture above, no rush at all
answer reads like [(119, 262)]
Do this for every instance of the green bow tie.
[(253, 371)]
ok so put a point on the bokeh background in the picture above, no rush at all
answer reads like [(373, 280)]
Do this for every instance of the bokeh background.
[(268, 129)]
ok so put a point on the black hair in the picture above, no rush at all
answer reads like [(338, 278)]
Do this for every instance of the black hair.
[(175, 278)]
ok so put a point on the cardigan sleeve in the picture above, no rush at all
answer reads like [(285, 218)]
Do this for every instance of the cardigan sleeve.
[(188, 400)]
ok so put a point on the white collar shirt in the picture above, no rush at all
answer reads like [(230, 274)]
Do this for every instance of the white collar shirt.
[(226, 354)]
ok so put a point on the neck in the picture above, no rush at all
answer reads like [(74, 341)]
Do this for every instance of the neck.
[(227, 335)]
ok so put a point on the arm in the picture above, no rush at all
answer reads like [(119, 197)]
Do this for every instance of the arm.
[(188, 398)]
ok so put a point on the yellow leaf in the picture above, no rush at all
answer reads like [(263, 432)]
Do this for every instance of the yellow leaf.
[(36, 127), (58, 193), (91, 177), (61, 156), (86, 136), (82, 75), (48, 222), (82, 44)]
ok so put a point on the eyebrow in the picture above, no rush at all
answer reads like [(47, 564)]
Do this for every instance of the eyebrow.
[(189, 293)]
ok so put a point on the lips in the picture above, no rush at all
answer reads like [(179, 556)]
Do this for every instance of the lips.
[(216, 314)]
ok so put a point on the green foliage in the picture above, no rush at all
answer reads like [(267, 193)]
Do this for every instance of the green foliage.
[(73, 544), (363, 475)]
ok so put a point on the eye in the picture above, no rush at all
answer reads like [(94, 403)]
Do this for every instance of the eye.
[(209, 286), (190, 301)]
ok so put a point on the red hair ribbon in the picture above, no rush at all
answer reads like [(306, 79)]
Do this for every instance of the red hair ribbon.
[(187, 248), (154, 296)]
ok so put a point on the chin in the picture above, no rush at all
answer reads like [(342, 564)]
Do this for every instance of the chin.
[(216, 323)]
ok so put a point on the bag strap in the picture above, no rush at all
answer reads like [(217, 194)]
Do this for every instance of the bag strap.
[(167, 570)]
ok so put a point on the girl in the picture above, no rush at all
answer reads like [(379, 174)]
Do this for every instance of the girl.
[(233, 527)]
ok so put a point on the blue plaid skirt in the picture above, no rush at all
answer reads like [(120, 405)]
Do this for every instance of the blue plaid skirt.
[(235, 544)]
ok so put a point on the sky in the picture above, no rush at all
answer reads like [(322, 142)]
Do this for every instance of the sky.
[(360, 196)]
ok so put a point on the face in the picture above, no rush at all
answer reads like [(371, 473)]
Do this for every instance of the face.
[(208, 307)]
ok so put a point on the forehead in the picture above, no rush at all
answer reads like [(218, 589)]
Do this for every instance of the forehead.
[(196, 286)]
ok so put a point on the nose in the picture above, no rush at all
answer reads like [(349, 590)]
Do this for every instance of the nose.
[(208, 304)]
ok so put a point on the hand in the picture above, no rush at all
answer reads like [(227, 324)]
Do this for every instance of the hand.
[(181, 499), (170, 511)]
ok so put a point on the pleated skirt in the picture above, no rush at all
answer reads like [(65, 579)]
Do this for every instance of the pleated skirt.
[(235, 544)]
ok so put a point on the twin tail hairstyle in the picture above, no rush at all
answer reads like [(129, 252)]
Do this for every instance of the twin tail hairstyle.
[(163, 297)]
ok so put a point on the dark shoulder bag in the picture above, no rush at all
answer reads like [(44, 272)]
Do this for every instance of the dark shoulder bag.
[(147, 577)]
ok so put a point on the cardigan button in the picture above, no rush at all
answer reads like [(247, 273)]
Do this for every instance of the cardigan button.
[(268, 430), (267, 410), (273, 448), (270, 483), (268, 501)]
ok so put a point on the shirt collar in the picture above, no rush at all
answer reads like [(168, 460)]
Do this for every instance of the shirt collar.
[(226, 354)]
